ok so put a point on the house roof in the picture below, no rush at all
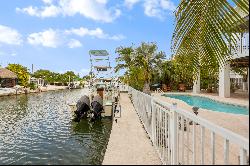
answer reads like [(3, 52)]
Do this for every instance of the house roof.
[(5, 73)]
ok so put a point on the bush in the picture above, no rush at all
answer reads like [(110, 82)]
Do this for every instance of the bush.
[(81, 84), (32, 86)]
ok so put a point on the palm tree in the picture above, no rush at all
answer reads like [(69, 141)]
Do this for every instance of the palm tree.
[(205, 28), (144, 58), (148, 58), (125, 58)]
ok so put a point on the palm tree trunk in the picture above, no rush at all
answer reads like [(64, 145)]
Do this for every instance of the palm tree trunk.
[(146, 88)]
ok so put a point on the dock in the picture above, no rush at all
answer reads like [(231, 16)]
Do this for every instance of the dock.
[(128, 142)]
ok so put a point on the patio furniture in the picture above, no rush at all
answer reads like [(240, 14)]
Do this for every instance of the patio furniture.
[(168, 88), (165, 88), (182, 87)]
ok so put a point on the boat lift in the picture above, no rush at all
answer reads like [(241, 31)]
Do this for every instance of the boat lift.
[(102, 81), (103, 97)]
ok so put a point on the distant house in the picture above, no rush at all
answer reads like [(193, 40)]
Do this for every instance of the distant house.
[(8, 79), (37, 81)]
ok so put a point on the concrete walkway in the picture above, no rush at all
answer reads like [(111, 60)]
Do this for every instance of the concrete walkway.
[(128, 142)]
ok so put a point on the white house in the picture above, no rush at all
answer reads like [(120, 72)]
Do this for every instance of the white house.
[(240, 58), (37, 81)]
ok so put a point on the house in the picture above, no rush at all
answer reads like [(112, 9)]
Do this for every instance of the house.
[(8, 79), (240, 59), (37, 81)]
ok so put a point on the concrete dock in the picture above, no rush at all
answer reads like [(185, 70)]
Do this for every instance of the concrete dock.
[(128, 142)]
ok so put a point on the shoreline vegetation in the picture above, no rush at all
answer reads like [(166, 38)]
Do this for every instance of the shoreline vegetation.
[(27, 82)]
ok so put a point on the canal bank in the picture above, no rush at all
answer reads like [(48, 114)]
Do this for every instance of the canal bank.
[(128, 142), (12, 91)]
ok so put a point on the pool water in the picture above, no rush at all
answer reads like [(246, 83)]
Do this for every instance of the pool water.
[(206, 103)]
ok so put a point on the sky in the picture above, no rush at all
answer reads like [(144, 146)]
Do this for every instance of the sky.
[(58, 34)]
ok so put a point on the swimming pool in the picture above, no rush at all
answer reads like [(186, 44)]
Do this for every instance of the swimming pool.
[(206, 103)]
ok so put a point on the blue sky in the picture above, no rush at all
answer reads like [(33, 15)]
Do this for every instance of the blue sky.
[(58, 34)]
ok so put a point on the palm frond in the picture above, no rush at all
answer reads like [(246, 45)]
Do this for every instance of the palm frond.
[(206, 27)]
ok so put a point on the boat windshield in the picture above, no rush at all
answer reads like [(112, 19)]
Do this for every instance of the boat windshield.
[(100, 86)]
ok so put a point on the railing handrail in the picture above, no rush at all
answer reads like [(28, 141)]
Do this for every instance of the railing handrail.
[(231, 136), (225, 133)]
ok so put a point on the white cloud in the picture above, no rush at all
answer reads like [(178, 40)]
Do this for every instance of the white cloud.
[(168, 5), (33, 11), (55, 38), (73, 43), (47, 11), (85, 31), (47, 38), (117, 37), (50, 11), (9, 36), (130, 3), (158, 8), (98, 33), (48, 1), (92, 9)]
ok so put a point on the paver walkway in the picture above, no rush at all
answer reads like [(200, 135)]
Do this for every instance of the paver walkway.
[(128, 142)]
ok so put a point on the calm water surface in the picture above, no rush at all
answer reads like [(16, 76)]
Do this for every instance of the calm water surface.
[(38, 129)]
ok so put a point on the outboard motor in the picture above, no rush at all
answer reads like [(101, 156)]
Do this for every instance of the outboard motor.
[(83, 106), (97, 105)]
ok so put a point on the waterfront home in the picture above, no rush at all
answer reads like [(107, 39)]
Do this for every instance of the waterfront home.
[(37, 81), (239, 59), (8, 79)]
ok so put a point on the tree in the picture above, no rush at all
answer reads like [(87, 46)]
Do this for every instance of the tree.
[(21, 72), (205, 28), (45, 74), (125, 58), (86, 77), (69, 76), (148, 59), (140, 63)]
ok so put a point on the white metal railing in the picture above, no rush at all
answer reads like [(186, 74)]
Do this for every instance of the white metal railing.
[(181, 137), (242, 47), (123, 88), (158, 90)]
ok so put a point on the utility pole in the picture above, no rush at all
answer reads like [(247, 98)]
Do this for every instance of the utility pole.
[(32, 69)]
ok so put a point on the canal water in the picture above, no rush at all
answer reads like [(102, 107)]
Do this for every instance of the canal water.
[(38, 129)]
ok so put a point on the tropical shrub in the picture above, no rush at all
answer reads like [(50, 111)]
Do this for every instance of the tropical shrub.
[(21, 72)]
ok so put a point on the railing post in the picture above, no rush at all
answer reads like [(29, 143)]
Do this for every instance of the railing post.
[(243, 157), (173, 136), (153, 121)]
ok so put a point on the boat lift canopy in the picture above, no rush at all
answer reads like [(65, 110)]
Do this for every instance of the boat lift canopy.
[(99, 52)]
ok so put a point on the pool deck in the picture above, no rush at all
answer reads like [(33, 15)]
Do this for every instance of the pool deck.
[(234, 122), (128, 142)]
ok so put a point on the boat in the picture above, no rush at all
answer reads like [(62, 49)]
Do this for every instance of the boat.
[(103, 96)]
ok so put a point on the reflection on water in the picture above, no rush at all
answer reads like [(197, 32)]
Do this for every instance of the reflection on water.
[(38, 129)]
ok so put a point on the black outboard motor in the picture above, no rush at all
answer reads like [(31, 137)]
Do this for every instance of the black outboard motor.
[(83, 106), (97, 105)]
